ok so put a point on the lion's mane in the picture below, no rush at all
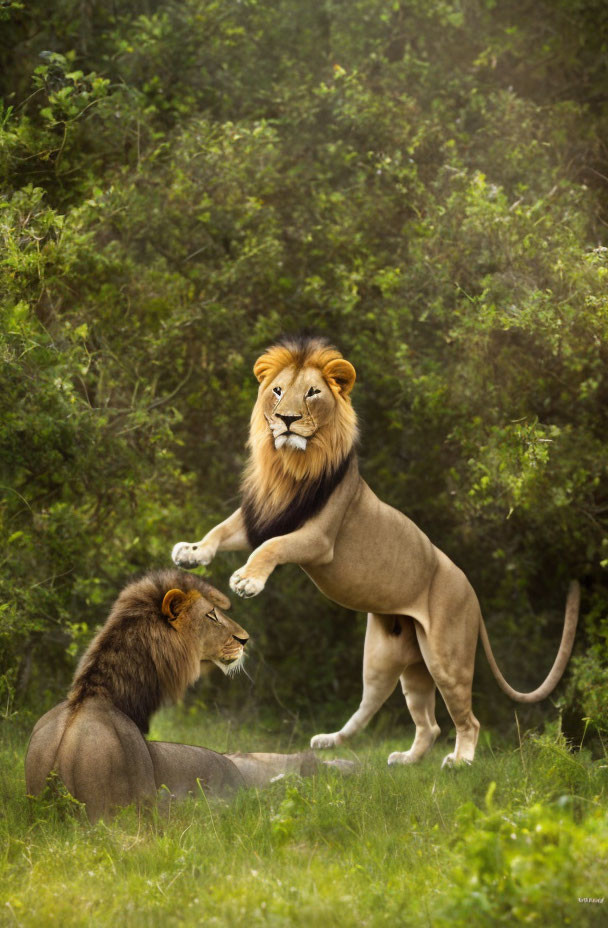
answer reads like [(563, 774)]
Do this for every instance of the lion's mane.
[(136, 660)]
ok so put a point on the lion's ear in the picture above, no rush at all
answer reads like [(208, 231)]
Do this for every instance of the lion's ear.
[(218, 599), (340, 373), (262, 367), (172, 603)]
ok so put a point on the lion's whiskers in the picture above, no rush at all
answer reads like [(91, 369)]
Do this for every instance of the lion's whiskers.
[(233, 667)]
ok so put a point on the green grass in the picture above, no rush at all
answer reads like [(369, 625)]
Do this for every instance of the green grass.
[(518, 837)]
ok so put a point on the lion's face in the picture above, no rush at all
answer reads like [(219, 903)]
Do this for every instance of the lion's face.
[(217, 637), (300, 402), (297, 405), (303, 424)]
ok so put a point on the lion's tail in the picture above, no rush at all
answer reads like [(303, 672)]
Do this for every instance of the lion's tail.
[(559, 665)]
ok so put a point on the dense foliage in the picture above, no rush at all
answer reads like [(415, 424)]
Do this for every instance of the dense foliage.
[(424, 182)]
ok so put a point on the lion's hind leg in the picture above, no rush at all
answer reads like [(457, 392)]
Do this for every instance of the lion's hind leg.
[(449, 653), (458, 701), (390, 644), (419, 690)]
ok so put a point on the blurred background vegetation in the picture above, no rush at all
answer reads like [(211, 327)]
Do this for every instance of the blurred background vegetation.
[(426, 182)]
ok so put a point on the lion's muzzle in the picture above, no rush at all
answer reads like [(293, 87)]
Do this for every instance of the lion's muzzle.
[(232, 655), (290, 440)]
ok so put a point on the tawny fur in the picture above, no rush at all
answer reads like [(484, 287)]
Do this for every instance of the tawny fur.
[(423, 615)]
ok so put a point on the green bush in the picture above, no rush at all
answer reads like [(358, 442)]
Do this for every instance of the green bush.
[(184, 181), (515, 866)]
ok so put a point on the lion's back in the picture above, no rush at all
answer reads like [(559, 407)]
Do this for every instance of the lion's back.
[(98, 753)]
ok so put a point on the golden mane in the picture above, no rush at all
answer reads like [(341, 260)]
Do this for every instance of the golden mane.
[(272, 481), (136, 660)]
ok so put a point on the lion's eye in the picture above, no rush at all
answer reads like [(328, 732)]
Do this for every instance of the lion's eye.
[(312, 392), (277, 391), (211, 615)]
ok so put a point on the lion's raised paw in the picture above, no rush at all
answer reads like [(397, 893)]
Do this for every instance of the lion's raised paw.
[(246, 586), (187, 554)]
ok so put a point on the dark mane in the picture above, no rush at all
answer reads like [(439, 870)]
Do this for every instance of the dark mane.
[(302, 344), (299, 510), (136, 661)]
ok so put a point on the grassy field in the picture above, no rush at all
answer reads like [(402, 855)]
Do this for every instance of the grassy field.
[(521, 837)]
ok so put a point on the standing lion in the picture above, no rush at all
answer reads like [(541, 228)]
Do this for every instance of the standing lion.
[(304, 502)]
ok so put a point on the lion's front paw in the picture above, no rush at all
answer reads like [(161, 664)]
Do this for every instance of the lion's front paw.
[(320, 742), (185, 554), (246, 586)]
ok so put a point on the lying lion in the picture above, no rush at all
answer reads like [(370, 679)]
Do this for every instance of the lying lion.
[(150, 649), (304, 502)]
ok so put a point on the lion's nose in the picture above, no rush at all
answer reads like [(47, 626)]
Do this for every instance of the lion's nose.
[(288, 419), (242, 641)]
